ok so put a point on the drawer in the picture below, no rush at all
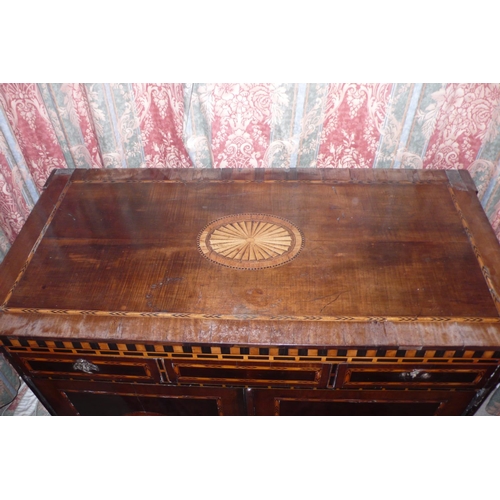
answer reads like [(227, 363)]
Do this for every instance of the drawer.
[(412, 375), (91, 368), (249, 374)]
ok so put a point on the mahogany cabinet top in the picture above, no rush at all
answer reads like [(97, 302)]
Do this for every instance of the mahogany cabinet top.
[(292, 257)]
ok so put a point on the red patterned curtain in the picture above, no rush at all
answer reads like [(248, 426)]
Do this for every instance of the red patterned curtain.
[(47, 126)]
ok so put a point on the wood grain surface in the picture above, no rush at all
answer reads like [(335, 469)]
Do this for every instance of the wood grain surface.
[(379, 246)]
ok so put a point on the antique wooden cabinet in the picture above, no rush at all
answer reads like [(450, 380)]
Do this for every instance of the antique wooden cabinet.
[(255, 292)]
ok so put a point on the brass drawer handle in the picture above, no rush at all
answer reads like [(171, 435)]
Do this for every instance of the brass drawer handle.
[(85, 366), (415, 375)]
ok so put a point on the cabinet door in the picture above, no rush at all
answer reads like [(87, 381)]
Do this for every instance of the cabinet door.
[(351, 403), (114, 399)]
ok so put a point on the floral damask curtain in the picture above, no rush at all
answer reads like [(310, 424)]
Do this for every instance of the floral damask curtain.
[(47, 126)]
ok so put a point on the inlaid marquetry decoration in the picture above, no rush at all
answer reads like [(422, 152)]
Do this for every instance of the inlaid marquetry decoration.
[(250, 241)]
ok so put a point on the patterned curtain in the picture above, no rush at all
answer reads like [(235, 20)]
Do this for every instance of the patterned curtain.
[(47, 126)]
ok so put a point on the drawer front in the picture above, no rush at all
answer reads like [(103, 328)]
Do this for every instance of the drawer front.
[(251, 374), (369, 376), (91, 368)]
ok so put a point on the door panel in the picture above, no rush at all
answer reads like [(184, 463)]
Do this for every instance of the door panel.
[(106, 399), (337, 403)]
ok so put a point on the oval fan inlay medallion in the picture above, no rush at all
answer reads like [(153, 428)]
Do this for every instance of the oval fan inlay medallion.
[(250, 241)]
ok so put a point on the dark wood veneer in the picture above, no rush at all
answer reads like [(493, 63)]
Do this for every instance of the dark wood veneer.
[(377, 284)]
